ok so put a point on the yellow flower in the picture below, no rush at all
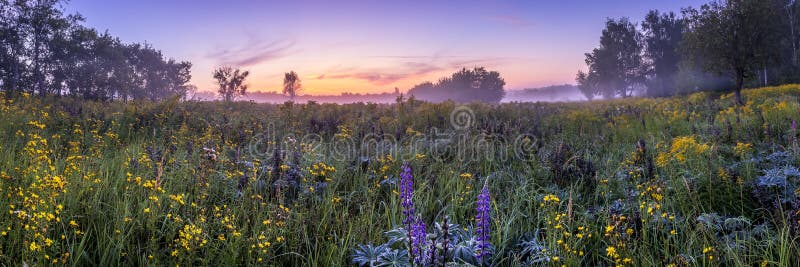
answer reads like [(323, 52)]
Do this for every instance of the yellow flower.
[(742, 149), (34, 247), (551, 198), (682, 147), (612, 252)]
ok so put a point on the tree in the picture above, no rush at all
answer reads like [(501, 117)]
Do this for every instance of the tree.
[(291, 84), (662, 35), (587, 85), (615, 67), (44, 51), (231, 82), (733, 37), (466, 85)]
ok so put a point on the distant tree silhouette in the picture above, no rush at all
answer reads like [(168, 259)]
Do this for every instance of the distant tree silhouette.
[(662, 35), (616, 67), (291, 84), (231, 82), (466, 85)]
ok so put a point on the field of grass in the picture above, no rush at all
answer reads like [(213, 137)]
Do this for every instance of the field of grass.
[(685, 181)]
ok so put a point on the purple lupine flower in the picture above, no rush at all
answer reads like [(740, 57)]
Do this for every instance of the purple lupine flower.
[(406, 194), (418, 241), (483, 220)]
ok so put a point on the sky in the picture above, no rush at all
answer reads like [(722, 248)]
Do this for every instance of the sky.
[(369, 46)]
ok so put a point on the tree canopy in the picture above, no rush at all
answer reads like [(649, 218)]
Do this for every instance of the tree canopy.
[(723, 45), (466, 85), (44, 51), (231, 82), (291, 84)]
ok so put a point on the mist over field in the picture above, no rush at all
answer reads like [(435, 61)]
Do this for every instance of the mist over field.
[(556, 93)]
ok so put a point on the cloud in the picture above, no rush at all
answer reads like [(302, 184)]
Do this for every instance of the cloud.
[(409, 69), (255, 52), (513, 21), (381, 76)]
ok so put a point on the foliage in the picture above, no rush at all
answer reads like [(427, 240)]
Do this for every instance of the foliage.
[(615, 67), (732, 37), (231, 82), (466, 85), (44, 51), (291, 84)]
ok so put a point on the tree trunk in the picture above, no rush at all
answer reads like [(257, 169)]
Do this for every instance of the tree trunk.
[(790, 12), (738, 89)]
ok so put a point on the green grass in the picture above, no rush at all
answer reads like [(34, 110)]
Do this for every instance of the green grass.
[(75, 199)]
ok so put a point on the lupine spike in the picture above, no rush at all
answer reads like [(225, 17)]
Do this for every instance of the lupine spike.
[(418, 241), (483, 220), (406, 194)]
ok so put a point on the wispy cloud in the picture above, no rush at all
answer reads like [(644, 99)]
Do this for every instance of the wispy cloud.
[(380, 76), (253, 53), (513, 21), (409, 69)]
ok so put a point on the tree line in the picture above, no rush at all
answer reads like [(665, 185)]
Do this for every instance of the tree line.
[(44, 51), (722, 45), (465, 85)]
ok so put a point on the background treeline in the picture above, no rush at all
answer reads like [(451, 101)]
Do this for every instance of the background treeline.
[(722, 45), (44, 51), (466, 85)]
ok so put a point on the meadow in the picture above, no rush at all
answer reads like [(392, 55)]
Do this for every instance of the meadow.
[(693, 180)]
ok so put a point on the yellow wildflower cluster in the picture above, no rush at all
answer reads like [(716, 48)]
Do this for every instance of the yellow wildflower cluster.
[(618, 234), (344, 132), (708, 253), (322, 171), (682, 148), (34, 191), (743, 149), (569, 236), (190, 237)]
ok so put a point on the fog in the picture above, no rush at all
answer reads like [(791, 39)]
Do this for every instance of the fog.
[(554, 93)]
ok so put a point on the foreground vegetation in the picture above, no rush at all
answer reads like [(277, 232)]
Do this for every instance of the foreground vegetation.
[(684, 181)]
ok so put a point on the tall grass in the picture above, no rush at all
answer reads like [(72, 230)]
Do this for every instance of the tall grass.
[(201, 183)]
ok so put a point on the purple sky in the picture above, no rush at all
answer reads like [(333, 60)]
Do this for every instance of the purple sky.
[(369, 46)]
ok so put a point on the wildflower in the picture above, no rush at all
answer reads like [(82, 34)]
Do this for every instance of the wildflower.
[(34, 247), (418, 237), (406, 194), (483, 219), (742, 149), (611, 252), (682, 147)]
